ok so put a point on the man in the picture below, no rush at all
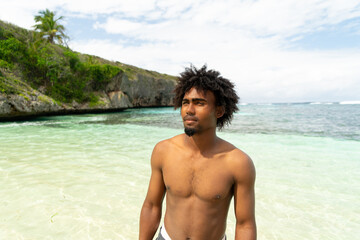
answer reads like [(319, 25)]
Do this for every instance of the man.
[(198, 171)]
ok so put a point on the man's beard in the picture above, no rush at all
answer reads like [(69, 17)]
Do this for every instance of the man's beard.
[(190, 131)]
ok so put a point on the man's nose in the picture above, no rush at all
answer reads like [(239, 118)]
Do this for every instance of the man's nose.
[(190, 109)]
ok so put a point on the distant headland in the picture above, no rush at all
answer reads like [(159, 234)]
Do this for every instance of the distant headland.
[(42, 78)]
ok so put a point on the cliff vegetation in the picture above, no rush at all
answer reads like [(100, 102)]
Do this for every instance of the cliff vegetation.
[(37, 77)]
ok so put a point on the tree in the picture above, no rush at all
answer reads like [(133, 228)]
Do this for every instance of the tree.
[(49, 27)]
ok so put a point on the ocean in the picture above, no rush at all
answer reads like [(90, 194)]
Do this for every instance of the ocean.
[(86, 176)]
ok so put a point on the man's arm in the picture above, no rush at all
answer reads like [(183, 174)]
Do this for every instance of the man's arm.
[(244, 197), (151, 210)]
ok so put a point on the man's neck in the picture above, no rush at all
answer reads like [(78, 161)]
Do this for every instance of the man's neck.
[(202, 142)]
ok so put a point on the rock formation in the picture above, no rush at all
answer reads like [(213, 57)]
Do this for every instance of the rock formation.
[(121, 93)]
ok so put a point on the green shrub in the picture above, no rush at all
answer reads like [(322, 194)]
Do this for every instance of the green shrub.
[(43, 99), (7, 88), (74, 60), (102, 75), (93, 99), (25, 97), (2, 33), (11, 50), (5, 64)]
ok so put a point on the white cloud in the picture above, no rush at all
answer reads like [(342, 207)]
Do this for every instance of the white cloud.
[(22, 12), (129, 8)]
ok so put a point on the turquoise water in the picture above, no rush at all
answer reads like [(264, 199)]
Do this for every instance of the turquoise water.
[(86, 176)]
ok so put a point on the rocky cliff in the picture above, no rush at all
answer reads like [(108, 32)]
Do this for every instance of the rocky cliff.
[(120, 93), (40, 78)]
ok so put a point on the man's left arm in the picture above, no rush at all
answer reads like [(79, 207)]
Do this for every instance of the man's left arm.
[(244, 197)]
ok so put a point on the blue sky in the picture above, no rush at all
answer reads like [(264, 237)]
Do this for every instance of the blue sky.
[(274, 51)]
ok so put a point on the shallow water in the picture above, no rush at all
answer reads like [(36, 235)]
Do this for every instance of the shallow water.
[(86, 176)]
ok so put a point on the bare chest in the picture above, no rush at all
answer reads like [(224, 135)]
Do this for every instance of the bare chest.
[(207, 179)]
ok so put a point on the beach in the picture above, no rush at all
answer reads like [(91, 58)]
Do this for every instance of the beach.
[(86, 176)]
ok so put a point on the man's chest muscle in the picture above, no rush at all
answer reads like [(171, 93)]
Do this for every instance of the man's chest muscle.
[(207, 179)]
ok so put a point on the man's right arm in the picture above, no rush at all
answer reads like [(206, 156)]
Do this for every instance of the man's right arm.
[(151, 210)]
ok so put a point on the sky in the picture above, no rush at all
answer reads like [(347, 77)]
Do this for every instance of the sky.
[(274, 51)]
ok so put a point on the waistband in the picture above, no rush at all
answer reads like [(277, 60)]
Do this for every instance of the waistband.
[(163, 235)]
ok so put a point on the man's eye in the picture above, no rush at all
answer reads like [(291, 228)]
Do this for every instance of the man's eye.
[(200, 103), (184, 103)]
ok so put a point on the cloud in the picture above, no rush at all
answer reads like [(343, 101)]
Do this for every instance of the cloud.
[(127, 8), (254, 43), (22, 12)]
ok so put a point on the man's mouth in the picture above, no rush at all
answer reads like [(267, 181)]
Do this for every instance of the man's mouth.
[(190, 119)]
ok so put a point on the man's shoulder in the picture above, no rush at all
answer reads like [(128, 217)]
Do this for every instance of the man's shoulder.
[(168, 144), (231, 152), (238, 156), (239, 162), (162, 149)]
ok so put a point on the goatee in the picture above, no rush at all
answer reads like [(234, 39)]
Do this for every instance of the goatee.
[(190, 131)]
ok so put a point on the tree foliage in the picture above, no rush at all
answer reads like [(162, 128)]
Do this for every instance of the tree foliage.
[(63, 74), (50, 28)]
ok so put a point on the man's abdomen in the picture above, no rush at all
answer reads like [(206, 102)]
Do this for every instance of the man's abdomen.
[(195, 218)]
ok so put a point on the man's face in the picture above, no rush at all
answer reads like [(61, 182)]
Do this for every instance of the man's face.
[(198, 111)]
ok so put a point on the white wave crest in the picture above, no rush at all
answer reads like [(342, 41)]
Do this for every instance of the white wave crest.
[(350, 102)]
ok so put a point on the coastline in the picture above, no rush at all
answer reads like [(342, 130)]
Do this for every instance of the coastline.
[(122, 92), (65, 112)]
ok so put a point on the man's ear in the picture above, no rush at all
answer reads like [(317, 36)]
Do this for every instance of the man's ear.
[(220, 110)]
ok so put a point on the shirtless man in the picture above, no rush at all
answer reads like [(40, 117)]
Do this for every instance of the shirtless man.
[(198, 171)]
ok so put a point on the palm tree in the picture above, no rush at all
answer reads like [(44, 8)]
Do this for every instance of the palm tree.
[(49, 27)]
